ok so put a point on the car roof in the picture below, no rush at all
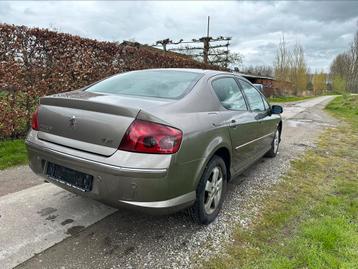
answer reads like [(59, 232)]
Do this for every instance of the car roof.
[(195, 70)]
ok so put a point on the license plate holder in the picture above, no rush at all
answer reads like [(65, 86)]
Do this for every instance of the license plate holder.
[(69, 177)]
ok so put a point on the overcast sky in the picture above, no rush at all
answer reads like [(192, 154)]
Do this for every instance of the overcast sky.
[(323, 28)]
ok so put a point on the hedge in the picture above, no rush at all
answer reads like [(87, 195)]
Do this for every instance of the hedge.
[(36, 62)]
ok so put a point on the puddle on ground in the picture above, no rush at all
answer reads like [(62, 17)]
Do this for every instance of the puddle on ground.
[(297, 123), (326, 124), (300, 122), (52, 217), (74, 230), (301, 145), (46, 211), (67, 221)]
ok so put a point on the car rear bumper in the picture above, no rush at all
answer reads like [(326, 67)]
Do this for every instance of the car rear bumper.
[(145, 189)]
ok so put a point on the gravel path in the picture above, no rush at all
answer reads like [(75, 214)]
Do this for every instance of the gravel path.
[(131, 240)]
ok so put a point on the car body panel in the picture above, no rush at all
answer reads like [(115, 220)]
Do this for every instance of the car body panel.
[(243, 132), (89, 121), (140, 180)]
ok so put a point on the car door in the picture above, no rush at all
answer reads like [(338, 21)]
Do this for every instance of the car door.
[(238, 119), (261, 114), (270, 122)]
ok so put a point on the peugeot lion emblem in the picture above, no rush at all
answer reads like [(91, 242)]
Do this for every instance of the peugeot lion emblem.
[(73, 122)]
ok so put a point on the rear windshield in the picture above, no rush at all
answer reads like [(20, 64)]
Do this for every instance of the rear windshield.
[(152, 83)]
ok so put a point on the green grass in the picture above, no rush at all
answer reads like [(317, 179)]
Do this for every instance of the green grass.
[(12, 152), (310, 219), (345, 107), (283, 99)]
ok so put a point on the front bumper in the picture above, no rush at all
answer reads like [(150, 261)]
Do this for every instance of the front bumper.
[(147, 189)]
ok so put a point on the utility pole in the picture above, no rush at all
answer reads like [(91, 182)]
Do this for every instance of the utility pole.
[(206, 43), (207, 31), (210, 53)]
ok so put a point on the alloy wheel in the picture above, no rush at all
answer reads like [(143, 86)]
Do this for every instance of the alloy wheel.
[(276, 141), (213, 190)]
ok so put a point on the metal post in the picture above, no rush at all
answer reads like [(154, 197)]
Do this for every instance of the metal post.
[(206, 50), (207, 31)]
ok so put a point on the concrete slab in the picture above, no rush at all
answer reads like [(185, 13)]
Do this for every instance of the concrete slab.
[(35, 219)]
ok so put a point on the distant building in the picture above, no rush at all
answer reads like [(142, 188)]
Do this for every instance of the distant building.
[(272, 87)]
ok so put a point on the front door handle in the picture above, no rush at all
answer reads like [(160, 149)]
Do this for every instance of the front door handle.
[(233, 123)]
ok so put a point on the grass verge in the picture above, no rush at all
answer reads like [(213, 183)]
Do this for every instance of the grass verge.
[(311, 218), (283, 99), (346, 108), (12, 152)]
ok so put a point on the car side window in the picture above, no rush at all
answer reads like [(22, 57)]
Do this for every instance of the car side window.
[(229, 94), (253, 97), (267, 106)]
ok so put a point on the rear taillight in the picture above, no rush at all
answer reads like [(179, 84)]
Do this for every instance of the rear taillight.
[(149, 137), (35, 120)]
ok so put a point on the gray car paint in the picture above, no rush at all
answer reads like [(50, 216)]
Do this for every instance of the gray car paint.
[(152, 182)]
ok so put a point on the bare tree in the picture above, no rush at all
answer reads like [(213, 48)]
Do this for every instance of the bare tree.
[(344, 68), (319, 82), (353, 82), (298, 69), (341, 65), (226, 58), (290, 65), (207, 49), (235, 59), (216, 56), (282, 61)]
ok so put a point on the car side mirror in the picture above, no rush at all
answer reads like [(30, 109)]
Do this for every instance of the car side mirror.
[(275, 109)]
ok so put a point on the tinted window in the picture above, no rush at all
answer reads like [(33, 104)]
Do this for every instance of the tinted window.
[(229, 93), (253, 96), (151, 83)]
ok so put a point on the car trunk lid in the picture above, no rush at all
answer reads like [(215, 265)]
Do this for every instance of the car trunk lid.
[(87, 121)]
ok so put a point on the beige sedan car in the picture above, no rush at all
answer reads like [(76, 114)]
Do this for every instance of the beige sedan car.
[(157, 140)]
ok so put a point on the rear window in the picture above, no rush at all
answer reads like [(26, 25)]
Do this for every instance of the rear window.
[(152, 83)]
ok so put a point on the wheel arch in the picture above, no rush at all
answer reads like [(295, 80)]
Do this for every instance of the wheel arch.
[(224, 153), (221, 150)]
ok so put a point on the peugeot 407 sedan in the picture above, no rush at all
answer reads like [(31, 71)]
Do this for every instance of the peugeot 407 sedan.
[(158, 140)]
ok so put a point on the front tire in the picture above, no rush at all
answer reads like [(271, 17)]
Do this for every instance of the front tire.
[(274, 145), (210, 192)]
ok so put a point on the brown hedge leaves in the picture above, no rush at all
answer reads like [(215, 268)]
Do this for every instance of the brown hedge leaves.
[(36, 62)]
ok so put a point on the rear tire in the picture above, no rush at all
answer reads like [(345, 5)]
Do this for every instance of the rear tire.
[(211, 192), (274, 145)]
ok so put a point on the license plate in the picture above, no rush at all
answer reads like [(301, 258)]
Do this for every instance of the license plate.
[(70, 177)]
